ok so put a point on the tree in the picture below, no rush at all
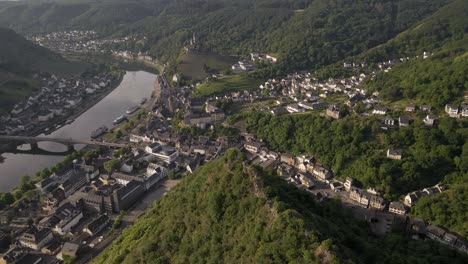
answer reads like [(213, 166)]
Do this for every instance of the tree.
[(26, 184), (118, 134), (112, 165), (6, 199)]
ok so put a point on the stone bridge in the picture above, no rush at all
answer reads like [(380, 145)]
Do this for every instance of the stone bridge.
[(69, 142)]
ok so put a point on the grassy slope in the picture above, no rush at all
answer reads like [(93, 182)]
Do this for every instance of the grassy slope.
[(192, 65), (226, 212)]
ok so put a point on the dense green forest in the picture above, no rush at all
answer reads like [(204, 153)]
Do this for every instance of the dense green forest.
[(306, 34), (447, 209), (356, 147), (437, 80), (446, 26), (228, 211)]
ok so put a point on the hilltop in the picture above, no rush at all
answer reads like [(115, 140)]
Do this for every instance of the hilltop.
[(228, 210)]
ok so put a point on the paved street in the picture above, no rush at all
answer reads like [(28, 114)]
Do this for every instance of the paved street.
[(155, 194)]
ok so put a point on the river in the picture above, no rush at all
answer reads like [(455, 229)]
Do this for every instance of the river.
[(134, 86)]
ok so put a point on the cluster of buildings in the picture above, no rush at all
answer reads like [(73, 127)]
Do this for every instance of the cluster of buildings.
[(142, 56), (412, 197), (251, 65), (88, 41), (305, 172), (419, 229), (79, 202), (429, 119), (299, 86), (77, 205), (68, 41), (201, 113), (56, 97), (385, 64), (259, 57), (243, 66)]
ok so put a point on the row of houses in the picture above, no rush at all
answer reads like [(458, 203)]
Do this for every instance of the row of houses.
[(412, 197), (56, 97), (302, 170)]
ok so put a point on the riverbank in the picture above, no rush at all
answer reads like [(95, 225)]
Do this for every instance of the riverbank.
[(133, 87), (58, 122)]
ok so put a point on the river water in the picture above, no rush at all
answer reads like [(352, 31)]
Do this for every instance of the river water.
[(134, 86)]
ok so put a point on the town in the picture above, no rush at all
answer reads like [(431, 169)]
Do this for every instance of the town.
[(56, 102), (77, 210), (80, 208), (77, 41)]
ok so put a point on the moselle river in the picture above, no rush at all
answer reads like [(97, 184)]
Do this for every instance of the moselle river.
[(134, 87)]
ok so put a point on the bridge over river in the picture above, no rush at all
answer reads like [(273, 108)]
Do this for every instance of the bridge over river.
[(69, 142)]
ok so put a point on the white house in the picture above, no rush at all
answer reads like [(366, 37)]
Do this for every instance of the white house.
[(379, 110), (35, 238), (451, 110), (44, 116), (397, 208), (430, 120), (293, 108), (395, 154)]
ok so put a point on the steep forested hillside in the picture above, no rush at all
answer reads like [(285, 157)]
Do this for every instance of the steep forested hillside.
[(437, 80), (304, 34), (447, 209), (229, 212), (19, 58), (443, 32), (445, 29)]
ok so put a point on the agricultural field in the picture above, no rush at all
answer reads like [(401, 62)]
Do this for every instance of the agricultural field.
[(200, 66), (227, 83)]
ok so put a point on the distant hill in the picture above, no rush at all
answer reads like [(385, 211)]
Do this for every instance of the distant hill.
[(437, 80), (19, 55), (19, 58), (447, 28), (305, 34), (443, 32), (231, 212)]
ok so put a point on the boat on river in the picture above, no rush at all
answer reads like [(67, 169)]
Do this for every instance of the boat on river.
[(132, 110), (119, 119), (98, 132)]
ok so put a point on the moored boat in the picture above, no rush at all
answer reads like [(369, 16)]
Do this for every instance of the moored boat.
[(119, 119), (101, 130), (132, 110)]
